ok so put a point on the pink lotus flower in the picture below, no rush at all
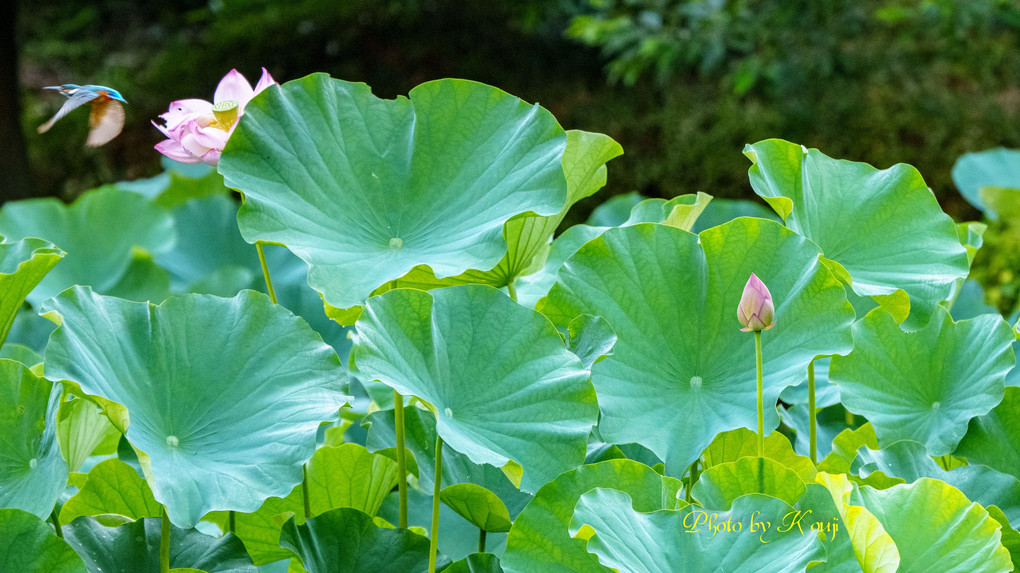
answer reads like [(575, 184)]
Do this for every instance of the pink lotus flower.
[(756, 309), (197, 130)]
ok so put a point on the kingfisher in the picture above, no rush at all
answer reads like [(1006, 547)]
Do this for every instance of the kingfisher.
[(106, 118)]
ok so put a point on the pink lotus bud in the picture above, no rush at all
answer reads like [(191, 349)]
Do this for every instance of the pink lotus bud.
[(756, 310)]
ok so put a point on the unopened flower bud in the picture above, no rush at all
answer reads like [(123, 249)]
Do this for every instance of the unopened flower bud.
[(756, 309)]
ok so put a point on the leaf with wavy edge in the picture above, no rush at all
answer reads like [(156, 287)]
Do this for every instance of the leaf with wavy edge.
[(32, 471), (28, 545), (690, 539), (885, 228), (180, 371), (365, 189), (681, 370), (924, 385), (497, 376), (100, 232)]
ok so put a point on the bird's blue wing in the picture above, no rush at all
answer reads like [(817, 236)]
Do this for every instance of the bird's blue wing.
[(75, 100)]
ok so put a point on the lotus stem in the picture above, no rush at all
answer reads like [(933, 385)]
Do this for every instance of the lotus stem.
[(812, 415), (56, 523), (231, 521), (398, 422), (511, 290), (304, 491), (265, 273), (164, 544), (481, 540), (436, 488), (761, 399)]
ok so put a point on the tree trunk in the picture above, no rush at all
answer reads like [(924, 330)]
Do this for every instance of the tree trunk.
[(15, 177)]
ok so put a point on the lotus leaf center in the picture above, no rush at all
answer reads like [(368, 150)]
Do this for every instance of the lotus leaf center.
[(32, 462), (936, 405), (696, 382), (172, 441), (396, 243), (448, 412)]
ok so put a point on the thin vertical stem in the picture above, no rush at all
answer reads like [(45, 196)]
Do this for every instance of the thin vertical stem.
[(761, 399), (481, 540), (231, 521), (304, 491), (164, 544), (56, 522), (265, 273), (511, 290), (434, 541), (812, 414), (398, 419)]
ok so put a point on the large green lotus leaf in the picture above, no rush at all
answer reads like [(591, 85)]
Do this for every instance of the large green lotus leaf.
[(134, 546), (527, 236), (112, 487), (100, 233), (873, 548), (28, 545), (678, 541), (349, 476), (741, 443), (502, 383), (420, 439), (22, 265), (223, 430), (883, 226), (539, 541), (924, 385), (478, 505), (364, 189), (720, 485), (32, 471), (908, 460), (936, 528), (81, 428), (998, 167), (347, 541), (681, 370), (994, 439)]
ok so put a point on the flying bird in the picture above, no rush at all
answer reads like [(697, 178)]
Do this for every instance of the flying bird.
[(106, 118)]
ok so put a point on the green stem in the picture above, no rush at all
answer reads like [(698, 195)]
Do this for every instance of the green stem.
[(511, 290), (481, 541), (398, 419), (813, 423), (433, 542), (761, 399), (56, 523), (231, 521), (304, 491), (164, 544), (265, 273), (849, 418), (693, 478)]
